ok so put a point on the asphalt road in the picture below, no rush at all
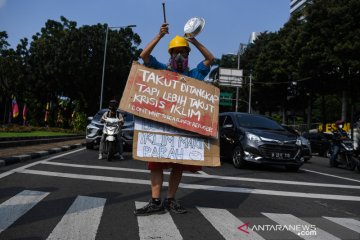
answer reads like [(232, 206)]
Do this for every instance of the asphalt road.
[(73, 195)]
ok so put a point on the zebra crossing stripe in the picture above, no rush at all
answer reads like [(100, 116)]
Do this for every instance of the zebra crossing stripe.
[(290, 220), (202, 174), (227, 224), (195, 186), (81, 221), (349, 223), (17, 206), (157, 226)]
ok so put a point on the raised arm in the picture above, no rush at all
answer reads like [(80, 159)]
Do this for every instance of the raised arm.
[(209, 58), (145, 54), (120, 119)]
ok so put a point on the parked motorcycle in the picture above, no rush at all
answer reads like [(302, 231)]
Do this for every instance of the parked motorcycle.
[(111, 130), (346, 155)]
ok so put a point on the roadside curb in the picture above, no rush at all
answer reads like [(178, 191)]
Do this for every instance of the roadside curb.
[(16, 142), (5, 161)]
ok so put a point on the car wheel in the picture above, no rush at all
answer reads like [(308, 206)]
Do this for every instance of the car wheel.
[(238, 157), (89, 146), (292, 168), (350, 163)]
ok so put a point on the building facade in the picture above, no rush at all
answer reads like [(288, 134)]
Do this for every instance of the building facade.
[(298, 5)]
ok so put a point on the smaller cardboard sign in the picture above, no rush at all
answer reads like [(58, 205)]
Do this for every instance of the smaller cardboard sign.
[(171, 98), (157, 142)]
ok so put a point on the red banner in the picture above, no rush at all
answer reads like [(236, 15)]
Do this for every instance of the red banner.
[(173, 99)]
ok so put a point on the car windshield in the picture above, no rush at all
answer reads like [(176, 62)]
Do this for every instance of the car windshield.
[(98, 116), (128, 117), (259, 122)]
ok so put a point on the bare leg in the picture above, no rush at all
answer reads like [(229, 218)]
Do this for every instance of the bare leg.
[(157, 178), (174, 181), (155, 205)]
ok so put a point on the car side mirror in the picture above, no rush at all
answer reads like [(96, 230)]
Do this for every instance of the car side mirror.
[(89, 119)]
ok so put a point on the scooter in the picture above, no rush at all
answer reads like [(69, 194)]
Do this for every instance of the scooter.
[(111, 130), (346, 155)]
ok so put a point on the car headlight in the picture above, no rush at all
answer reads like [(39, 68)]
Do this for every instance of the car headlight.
[(298, 141), (91, 131), (253, 137), (305, 141)]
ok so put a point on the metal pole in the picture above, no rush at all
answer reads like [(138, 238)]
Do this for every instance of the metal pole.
[(250, 95), (103, 71), (237, 88), (237, 99)]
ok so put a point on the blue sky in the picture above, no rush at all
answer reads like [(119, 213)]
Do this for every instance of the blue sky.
[(228, 22)]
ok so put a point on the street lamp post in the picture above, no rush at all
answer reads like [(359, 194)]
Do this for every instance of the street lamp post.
[(104, 61), (240, 51), (247, 103), (237, 88), (249, 110)]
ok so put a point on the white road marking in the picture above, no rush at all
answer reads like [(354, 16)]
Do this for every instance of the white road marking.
[(227, 224), (98, 167), (202, 173), (155, 226), (17, 206), (196, 186), (331, 175), (81, 221), (2, 175), (296, 225), (297, 183), (346, 222)]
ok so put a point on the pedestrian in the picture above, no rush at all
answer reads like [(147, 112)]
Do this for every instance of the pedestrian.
[(179, 52)]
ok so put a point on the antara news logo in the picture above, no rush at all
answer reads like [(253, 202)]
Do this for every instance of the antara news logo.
[(299, 229)]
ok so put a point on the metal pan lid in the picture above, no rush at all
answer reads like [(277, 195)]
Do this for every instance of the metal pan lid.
[(194, 26)]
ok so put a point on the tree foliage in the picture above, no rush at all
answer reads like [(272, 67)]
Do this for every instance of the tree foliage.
[(64, 60), (314, 55)]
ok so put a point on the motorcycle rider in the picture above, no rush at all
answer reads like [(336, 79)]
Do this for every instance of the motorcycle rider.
[(338, 135), (112, 113)]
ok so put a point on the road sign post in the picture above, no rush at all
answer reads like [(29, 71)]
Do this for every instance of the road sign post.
[(231, 78)]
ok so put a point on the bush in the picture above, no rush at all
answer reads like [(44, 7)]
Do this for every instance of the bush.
[(79, 121), (21, 128)]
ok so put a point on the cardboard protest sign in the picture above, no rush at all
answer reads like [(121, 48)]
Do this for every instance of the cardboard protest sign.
[(157, 142), (173, 99)]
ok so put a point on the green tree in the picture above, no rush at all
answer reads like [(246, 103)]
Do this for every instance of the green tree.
[(331, 53), (265, 60), (13, 75), (67, 61)]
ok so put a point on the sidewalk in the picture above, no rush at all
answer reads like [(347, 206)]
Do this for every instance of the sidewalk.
[(23, 153)]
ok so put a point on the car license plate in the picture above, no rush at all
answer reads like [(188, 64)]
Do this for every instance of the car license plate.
[(280, 155)]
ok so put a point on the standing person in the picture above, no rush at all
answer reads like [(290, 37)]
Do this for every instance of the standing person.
[(338, 135), (112, 113), (179, 52)]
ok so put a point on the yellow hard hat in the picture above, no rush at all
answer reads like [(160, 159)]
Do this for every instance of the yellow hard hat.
[(178, 41)]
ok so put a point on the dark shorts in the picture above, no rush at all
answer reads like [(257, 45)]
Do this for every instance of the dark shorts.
[(175, 166)]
